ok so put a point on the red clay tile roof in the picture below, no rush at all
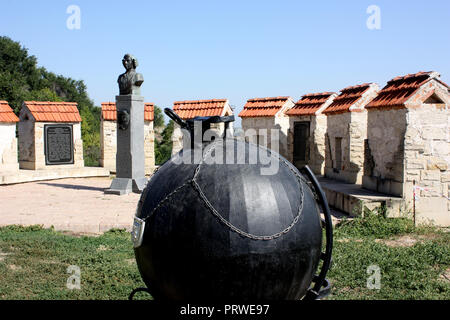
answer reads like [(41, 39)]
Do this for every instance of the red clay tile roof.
[(263, 107), (400, 89), (6, 113), (347, 98), (199, 108), (45, 111), (149, 111), (309, 104), (109, 111)]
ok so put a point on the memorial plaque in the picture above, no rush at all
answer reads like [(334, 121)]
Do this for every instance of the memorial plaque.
[(58, 144)]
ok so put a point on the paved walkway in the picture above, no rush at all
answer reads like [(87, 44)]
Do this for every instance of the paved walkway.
[(75, 204), (24, 175), (352, 198)]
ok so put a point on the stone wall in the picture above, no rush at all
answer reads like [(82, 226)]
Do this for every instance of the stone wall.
[(290, 135), (149, 147), (318, 152), (351, 128), (108, 145), (411, 147), (8, 147), (177, 135), (279, 122), (427, 159), (282, 123), (385, 151), (32, 147), (26, 142), (264, 123), (358, 134), (177, 139), (338, 127), (427, 154), (317, 129)]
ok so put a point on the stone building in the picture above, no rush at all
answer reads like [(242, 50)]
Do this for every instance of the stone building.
[(50, 135), (8, 141), (307, 128), (408, 144), (346, 133), (199, 108), (269, 114), (108, 137)]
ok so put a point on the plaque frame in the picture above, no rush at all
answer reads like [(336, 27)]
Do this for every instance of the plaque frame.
[(46, 144)]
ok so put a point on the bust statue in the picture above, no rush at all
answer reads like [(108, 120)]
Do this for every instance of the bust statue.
[(130, 81)]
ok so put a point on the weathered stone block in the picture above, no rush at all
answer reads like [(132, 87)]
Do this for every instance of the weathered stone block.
[(430, 175), (415, 147), (412, 175), (433, 133), (415, 164), (440, 147), (445, 177), (430, 188), (437, 164), (412, 133), (433, 210)]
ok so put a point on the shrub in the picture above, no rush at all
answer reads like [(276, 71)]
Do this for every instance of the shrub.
[(374, 224)]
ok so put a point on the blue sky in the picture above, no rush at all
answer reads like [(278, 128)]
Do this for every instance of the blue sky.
[(238, 50)]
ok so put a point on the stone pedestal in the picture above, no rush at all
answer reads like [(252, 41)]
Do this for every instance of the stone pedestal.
[(130, 158)]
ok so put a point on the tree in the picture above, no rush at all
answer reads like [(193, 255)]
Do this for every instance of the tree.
[(22, 80), (18, 73), (163, 148), (90, 131), (44, 94), (158, 117)]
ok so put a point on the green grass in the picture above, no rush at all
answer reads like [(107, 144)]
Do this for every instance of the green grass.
[(34, 262), (407, 271), (376, 225)]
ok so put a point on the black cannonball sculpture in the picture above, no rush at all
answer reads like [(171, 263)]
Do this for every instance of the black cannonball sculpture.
[(212, 231)]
